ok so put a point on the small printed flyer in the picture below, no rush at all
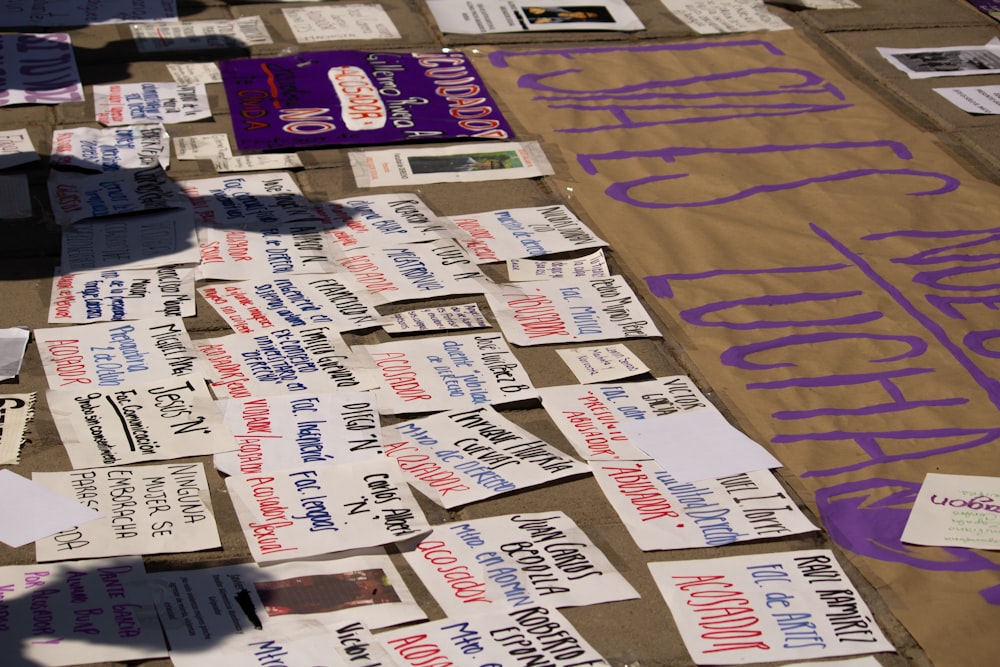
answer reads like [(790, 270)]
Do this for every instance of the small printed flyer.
[(928, 63), (604, 363), (590, 416), (383, 221), (776, 594), (516, 560), (289, 431), (449, 164), (153, 509), (569, 310), (590, 266), (498, 638), (112, 354), (146, 241), (413, 271), (134, 103), (497, 236), (296, 301), (163, 419), (112, 295), (313, 510), (464, 17), (447, 373), (663, 514), (197, 35), (461, 456), (39, 68), (330, 98), (110, 149), (77, 613), (282, 361), (956, 511)]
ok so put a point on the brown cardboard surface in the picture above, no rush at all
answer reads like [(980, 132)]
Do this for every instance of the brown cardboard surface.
[(753, 233), (879, 14)]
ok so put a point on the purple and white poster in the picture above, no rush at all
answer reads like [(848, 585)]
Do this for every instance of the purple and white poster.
[(325, 98)]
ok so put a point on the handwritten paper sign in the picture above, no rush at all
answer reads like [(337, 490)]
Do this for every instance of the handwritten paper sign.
[(602, 364), (75, 197), (197, 35), (16, 412), (60, 13), (187, 74), (447, 373), (146, 510), (461, 456), (40, 510), (38, 69), (113, 295), (442, 318), (449, 164), (502, 638), (516, 560), (150, 240), (777, 593), (280, 361), (569, 310), (163, 419), (307, 511), (68, 613), (278, 432), (315, 99), (523, 232), (202, 147), (956, 511), (589, 266), (382, 221), (109, 149), (16, 149), (709, 17), (591, 416), (296, 301), (413, 271), (150, 102), (323, 23), (661, 513), (112, 354), (490, 16)]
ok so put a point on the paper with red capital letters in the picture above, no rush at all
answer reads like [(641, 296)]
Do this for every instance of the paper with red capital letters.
[(496, 236)]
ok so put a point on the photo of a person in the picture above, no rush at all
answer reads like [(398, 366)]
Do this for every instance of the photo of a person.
[(571, 14)]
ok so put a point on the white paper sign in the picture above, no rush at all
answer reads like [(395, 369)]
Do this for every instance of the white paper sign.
[(187, 74), (146, 510), (591, 416), (296, 301), (516, 560), (569, 310), (449, 164), (165, 419), (461, 456), (973, 99), (263, 162), (589, 266), (413, 271), (523, 232), (777, 592), (112, 295), (708, 17), (75, 197), (197, 35), (927, 63), (16, 412), (661, 513), (489, 16), (602, 364), (13, 342), (498, 638), (202, 147), (105, 355), (134, 103), (697, 445), (41, 511), (16, 149), (59, 13), (278, 432), (956, 511), (109, 149), (138, 242), (302, 512), (382, 221), (38, 68), (344, 21), (280, 361), (442, 318), (244, 251), (447, 373)]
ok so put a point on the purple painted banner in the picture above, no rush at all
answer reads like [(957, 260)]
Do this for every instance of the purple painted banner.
[(325, 98)]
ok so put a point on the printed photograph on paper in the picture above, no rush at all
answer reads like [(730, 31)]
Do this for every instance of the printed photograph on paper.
[(498, 16)]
